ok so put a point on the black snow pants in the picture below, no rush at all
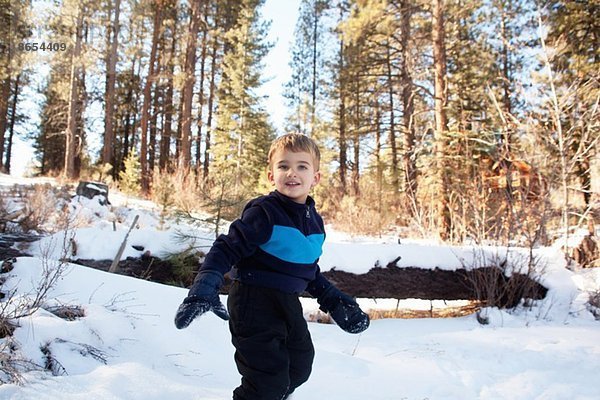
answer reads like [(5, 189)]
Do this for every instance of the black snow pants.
[(274, 351)]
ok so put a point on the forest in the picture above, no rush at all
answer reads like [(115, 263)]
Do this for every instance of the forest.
[(464, 120)]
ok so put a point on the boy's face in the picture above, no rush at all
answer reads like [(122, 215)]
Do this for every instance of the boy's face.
[(293, 174)]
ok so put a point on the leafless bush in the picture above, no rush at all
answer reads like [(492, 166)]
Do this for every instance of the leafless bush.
[(16, 306), (12, 365), (369, 213), (32, 208), (594, 304), (504, 280), (39, 205), (52, 364), (66, 311), (219, 199)]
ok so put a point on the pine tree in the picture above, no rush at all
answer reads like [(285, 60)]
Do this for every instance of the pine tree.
[(243, 133), (306, 85), (574, 34), (15, 28), (129, 178)]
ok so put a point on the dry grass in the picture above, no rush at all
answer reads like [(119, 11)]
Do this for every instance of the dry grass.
[(405, 313)]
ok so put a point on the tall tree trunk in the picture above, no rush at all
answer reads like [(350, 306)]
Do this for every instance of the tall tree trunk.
[(189, 72), (506, 79), (71, 131), (441, 119), (342, 121), (156, 108), (129, 129), (155, 112), (11, 127), (408, 102), (109, 106), (82, 100), (4, 99), (165, 140), (313, 105), (211, 97), (201, 96), (379, 164), (356, 139), (145, 178), (393, 147)]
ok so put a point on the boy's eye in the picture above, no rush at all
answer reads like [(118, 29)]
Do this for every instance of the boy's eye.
[(282, 167)]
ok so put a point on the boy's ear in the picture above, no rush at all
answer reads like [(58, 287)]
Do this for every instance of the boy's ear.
[(317, 179), (270, 176)]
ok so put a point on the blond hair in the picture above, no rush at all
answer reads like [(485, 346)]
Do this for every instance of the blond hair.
[(296, 142)]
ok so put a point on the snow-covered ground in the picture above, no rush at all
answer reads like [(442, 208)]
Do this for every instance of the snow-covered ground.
[(126, 346)]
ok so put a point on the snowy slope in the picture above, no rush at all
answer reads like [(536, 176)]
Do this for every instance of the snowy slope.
[(126, 346)]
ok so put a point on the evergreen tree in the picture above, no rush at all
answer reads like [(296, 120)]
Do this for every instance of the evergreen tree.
[(49, 144), (574, 37), (15, 29), (129, 178), (307, 83), (243, 133)]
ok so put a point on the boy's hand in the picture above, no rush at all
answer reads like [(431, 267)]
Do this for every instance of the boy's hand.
[(344, 310), (203, 296)]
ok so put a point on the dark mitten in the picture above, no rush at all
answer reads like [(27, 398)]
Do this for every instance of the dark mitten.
[(202, 297), (341, 307), (344, 310)]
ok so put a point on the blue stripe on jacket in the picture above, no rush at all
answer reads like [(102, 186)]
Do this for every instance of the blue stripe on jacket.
[(289, 244)]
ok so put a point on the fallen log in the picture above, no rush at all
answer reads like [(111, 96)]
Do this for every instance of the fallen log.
[(485, 284), (488, 285)]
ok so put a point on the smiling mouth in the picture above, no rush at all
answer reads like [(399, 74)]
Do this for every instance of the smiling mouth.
[(292, 184)]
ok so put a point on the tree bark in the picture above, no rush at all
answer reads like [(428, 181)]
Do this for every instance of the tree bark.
[(391, 104), (343, 158), (188, 87), (145, 178), (356, 140), (408, 102), (71, 131), (4, 99), (109, 106), (201, 96), (441, 119), (165, 140), (211, 98), (11, 124)]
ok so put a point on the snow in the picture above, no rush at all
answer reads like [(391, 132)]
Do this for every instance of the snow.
[(126, 345)]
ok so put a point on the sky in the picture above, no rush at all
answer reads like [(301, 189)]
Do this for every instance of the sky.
[(283, 14), (126, 347)]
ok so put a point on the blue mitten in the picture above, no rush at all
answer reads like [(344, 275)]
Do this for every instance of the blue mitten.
[(202, 297), (343, 309)]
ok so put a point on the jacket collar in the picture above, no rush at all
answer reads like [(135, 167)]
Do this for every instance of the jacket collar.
[(310, 202)]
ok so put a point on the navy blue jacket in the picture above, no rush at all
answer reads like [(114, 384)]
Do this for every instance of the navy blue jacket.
[(276, 243)]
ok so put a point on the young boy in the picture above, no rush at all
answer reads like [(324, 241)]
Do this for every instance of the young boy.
[(273, 248)]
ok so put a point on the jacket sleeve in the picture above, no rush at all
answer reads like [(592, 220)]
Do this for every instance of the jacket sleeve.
[(319, 285), (245, 234)]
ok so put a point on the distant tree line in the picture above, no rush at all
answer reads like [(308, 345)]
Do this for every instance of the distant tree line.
[(417, 103)]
